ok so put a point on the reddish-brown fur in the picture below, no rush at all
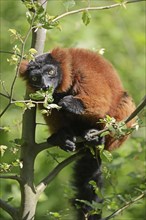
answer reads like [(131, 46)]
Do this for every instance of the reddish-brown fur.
[(23, 68), (96, 83)]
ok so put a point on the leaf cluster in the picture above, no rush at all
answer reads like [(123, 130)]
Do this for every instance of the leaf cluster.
[(41, 19), (96, 207), (47, 97), (115, 128)]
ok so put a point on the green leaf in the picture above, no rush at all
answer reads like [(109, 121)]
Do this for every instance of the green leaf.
[(2, 149), (20, 104), (55, 215), (94, 205), (29, 17), (43, 95), (100, 147), (30, 55), (38, 95), (32, 51), (16, 49), (44, 111), (40, 9), (84, 202), (30, 105), (104, 133), (13, 31), (14, 60), (5, 129), (5, 167), (93, 183), (51, 106), (15, 35), (106, 156), (48, 108), (86, 17), (121, 198), (96, 188), (106, 171), (29, 5), (92, 151), (47, 22)]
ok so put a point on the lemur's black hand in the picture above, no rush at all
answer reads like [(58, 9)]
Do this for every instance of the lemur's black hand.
[(64, 138), (92, 138), (71, 104)]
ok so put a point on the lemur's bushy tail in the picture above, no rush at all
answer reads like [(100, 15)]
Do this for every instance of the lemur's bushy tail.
[(86, 169)]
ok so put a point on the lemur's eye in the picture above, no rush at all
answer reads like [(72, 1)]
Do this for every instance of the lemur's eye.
[(34, 78), (51, 72)]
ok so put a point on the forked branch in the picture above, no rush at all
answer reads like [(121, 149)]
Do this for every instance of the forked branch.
[(43, 184), (13, 212)]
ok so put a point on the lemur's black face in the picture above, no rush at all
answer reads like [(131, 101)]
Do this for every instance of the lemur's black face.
[(44, 73)]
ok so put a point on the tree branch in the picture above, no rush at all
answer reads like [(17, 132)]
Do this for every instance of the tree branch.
[(6, 96), (133, 115), (43, 184), (13, 212), (17, 72), (125, 206), (12, 177), (42, 146), (9, 52), (45, 145), (137, 110), (95, 8)]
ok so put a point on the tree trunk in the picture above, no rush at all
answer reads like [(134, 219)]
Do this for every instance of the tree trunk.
[(29, 196)]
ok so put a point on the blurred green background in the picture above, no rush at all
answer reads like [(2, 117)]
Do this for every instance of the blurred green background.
[(121, 32)]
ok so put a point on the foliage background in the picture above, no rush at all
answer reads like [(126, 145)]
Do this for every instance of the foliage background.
[(122, 33)]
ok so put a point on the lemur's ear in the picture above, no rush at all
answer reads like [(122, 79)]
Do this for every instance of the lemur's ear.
[(23, 68)]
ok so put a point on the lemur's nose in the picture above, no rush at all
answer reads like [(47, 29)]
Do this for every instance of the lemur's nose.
[(45, 87), (45, 83)]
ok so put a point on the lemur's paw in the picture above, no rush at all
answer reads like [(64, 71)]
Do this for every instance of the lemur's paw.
[(64, 139), (71, 104), (91, 135), (69, 146)]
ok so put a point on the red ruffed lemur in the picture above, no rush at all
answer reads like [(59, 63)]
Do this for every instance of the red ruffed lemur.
[(87, 87)]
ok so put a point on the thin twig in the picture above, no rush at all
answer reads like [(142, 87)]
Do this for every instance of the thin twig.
[(44, 2), (27, 101), (17, 70), (2, 83), (12, 177), (137, 110), (125, 206), (10, 52), (94, 9), (6, 96)]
